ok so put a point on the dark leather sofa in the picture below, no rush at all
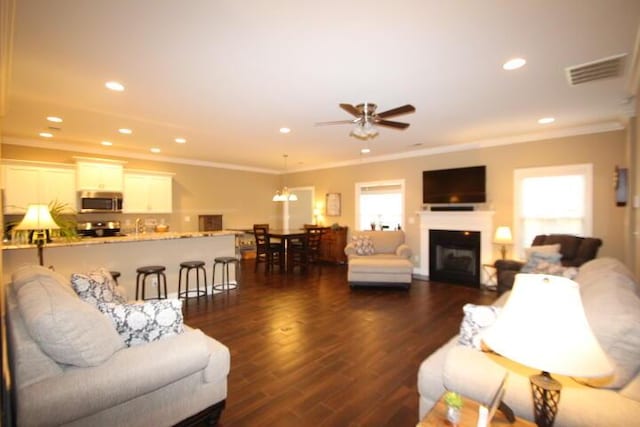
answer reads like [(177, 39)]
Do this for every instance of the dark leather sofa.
[(575, 252)]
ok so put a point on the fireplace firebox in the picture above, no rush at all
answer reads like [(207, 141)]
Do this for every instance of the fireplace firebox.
[(454, 257)]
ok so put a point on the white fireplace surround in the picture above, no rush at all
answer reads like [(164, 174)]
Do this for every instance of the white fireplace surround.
[(481, 221)]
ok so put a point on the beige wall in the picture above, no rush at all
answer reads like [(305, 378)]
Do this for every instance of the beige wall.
[(243, 198), (603, 150)]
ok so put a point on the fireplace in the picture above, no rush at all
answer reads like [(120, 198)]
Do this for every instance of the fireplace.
[(454, 256)]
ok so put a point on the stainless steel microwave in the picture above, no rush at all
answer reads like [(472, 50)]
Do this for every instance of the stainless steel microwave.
[(99, 201)]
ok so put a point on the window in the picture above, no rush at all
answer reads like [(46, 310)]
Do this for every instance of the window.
[(552, 200), (380, 203)]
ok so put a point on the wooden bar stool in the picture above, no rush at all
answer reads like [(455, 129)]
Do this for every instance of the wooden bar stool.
[(187, 267), (150, 270), (225, 284)]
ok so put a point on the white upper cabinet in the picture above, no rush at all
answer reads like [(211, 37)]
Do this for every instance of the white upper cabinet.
[(99, 176), (26, 183), (147, 193)]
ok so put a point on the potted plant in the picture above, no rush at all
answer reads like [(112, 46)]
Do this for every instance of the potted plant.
[(65, 217), (453, 401)]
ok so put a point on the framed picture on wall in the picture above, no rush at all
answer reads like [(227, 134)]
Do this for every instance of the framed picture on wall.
[(333, 204)]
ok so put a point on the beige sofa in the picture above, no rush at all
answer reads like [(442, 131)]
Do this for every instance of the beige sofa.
[(611, 299), (88, 377), (386, 262)]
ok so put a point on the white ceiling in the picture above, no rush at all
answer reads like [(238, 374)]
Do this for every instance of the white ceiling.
[(227, 74)]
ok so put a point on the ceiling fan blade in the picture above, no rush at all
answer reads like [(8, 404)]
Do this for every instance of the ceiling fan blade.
[(398, 125), (397, 111), (350, 109), (337, 122)]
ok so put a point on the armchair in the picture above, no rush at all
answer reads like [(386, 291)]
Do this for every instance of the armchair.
[(379, 258), (575, 251)]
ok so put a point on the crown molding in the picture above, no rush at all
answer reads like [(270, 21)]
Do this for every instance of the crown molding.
[(475, 145), (443, 149), (128, 155)]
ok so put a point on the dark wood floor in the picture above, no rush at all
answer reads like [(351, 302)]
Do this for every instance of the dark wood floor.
[(306, 350)]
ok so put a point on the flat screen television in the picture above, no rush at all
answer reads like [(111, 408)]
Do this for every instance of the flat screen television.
[(454, 186)]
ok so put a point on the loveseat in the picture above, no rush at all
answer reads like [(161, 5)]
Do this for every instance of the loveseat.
[(70, 366), (611, 300), (574, 251), (379, 258)]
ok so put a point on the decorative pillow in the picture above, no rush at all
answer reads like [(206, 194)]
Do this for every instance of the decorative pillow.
[(542, 249), (363, 245), (476, 319), (538, 262), (143, 322), (68, 330), (549, 263), (97, 287)]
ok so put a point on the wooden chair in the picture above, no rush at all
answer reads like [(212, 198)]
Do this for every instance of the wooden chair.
[(267, 252), (306, 253)]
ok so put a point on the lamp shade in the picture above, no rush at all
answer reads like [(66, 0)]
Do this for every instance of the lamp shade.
[(543, 326), (37, 218), (503, 235)]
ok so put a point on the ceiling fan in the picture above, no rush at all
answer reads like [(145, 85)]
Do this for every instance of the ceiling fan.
[(366, 118)]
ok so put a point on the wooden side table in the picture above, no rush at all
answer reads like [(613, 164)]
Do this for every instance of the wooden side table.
[(468, 417), (491, 273)]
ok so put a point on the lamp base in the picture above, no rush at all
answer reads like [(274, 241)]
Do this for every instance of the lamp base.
[(546, 396)]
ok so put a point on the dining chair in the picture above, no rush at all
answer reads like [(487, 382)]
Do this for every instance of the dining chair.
[(267, 252), (307, 251)]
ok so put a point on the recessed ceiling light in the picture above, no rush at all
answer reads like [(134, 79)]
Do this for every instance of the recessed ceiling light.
[(285, 130), (54, 119), (46, 134), (116, 86), (125, 131), (514, 64), (107, 143), (365, 150), (155, 150), (546, 120), (180, 140)]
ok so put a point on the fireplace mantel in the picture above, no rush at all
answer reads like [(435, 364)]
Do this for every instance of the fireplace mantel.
[(481, 221)]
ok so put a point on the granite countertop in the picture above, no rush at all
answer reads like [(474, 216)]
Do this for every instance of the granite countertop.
[(126, 239)]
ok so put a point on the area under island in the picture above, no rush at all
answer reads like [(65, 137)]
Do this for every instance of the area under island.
[(126, 253)]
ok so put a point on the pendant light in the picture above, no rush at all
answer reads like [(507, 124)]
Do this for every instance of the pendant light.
[(284, 195)]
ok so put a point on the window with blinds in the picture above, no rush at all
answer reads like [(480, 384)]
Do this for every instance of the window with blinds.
[(552, 200)]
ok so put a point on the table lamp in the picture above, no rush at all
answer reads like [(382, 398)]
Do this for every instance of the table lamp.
[(543, 326), (38, 218), (503, 237)]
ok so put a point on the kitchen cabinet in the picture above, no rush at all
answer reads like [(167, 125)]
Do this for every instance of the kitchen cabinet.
[(148, 193), (99, 176), (332, 245), (27, 183)]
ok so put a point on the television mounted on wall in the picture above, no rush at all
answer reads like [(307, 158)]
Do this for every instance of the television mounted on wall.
[(454, 186)]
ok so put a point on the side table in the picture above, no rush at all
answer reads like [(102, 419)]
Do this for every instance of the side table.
[(468, 416), (491, 275)]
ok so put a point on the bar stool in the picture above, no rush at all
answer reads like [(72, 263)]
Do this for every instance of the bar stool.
[(115, 275), (187, 266), (144, 272), (224, 261)]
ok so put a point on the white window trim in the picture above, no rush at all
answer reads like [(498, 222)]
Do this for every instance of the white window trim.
[(585, 169), (358, 187)]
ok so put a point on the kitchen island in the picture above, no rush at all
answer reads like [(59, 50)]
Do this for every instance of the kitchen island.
[(126, 253)]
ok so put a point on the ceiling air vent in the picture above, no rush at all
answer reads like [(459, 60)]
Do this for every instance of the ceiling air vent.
[(596, 70)]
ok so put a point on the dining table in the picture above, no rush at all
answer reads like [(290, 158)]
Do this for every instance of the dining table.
[(286, 237)]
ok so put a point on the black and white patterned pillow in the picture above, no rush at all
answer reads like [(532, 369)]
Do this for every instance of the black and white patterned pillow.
[(143, 322), (476, 319), (97, 287)]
